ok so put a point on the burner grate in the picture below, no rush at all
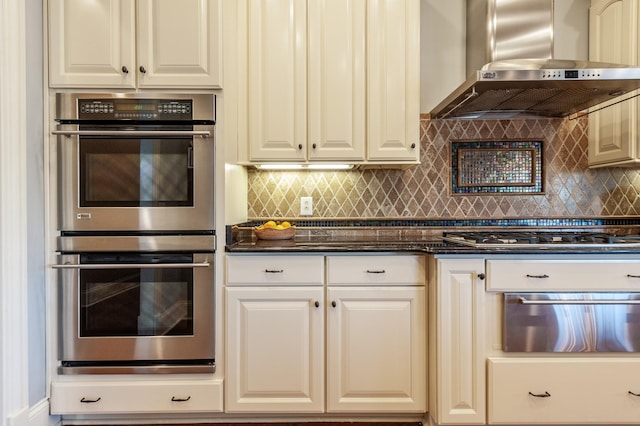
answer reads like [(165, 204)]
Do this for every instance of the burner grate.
[(545, 238)]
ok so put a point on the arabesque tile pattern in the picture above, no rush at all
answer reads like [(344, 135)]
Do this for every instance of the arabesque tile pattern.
[(571, 188)]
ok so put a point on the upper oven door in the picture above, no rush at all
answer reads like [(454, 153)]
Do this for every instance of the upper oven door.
[(135, 176)]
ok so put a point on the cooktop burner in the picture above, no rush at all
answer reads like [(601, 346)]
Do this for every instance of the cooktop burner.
[(542, 239)]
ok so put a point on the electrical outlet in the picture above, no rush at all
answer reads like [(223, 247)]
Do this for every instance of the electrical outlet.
[(306, 206)]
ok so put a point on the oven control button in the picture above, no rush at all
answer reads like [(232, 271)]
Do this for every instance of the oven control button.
[(83, 216)]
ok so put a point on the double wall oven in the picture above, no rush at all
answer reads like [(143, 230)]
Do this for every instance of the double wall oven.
[(136, 232)]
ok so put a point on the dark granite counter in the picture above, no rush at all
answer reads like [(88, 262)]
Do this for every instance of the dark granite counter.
[(415, 236)]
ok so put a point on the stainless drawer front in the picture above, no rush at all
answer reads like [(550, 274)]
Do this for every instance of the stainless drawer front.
[(571, 322)]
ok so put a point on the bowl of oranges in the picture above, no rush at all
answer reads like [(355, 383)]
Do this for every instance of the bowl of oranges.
[(272, 230)]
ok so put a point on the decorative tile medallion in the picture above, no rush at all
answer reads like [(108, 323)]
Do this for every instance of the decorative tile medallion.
[(506, 167)]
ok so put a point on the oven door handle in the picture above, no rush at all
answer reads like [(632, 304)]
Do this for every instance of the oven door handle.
[(525, 301), (132, 265), (133, 133)]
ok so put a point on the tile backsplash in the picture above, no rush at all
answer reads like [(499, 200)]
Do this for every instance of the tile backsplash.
[(571, 189)]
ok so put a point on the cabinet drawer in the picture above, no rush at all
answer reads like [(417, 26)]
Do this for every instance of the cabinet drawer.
[(136, 397), (376, 270), (275, 270), (569, 390), (563, 275)]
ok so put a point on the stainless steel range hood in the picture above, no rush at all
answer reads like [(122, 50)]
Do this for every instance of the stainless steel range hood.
[(521, 79)]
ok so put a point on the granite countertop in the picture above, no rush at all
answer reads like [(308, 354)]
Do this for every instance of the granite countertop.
[(414, 236)]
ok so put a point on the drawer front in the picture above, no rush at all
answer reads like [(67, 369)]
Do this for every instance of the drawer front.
[(563, 275), (275, 270), (376, 270), (567, 390), (136, 397)]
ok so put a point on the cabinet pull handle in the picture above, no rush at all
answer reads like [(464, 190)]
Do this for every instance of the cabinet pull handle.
[(89, 401), (174, 399), (317, 304), (540, 395), (125, 70), (381, 271), (634, 394), (274, 271), (481, 276), (333, 303), (143, 70), (537, 276), (633, 276)]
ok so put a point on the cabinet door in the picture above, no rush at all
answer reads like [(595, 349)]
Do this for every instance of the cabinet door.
[(393, 89), (92, 43), (179, 43), (376, 349), (457, 333), (277, 79), (337, 81), (613, 37), (275, 350)]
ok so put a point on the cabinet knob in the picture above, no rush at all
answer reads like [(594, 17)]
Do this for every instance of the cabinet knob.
[(413, 146), (125, 70), (299, 146), (313, 146), (481, 276), (143, 70), (333, 303), (317, 304)]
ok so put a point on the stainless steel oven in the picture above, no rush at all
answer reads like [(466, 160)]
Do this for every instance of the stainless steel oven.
[(135, 162), (136, 304)]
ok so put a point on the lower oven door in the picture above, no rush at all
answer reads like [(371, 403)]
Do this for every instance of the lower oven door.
[(571, 322), (130, 312)]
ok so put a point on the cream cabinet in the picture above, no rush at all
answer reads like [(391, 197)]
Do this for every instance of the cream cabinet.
[(134, 43), (275, 334), (375, 334), (564, 390), (457, 336), (136, 396), (614, 133), (329, 81)]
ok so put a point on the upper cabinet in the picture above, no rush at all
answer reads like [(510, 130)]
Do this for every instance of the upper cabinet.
[(614, 136), (135, 44), (329, 80)]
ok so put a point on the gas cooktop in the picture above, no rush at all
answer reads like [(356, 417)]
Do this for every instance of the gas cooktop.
[(542, 239)]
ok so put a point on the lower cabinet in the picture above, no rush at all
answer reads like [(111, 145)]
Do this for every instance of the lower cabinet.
[(136, 396), (457, 334), (567, 390), (361, 341)]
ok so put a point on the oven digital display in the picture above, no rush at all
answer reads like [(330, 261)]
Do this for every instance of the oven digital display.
[(135, 107)]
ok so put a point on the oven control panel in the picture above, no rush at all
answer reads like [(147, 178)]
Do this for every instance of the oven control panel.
[(134, 109)]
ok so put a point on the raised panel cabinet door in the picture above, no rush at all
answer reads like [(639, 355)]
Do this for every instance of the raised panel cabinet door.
[(614, 38), (457, 365), (376, 349), (393, 85), (92, 43), (277, 80), (337, 80), (179, 43), (275, 350)]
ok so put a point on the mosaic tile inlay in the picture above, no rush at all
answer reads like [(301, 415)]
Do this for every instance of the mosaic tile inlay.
[(507, 167), (423, 192)]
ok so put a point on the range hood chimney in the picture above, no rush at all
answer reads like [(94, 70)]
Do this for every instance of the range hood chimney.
[(512, 73)]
